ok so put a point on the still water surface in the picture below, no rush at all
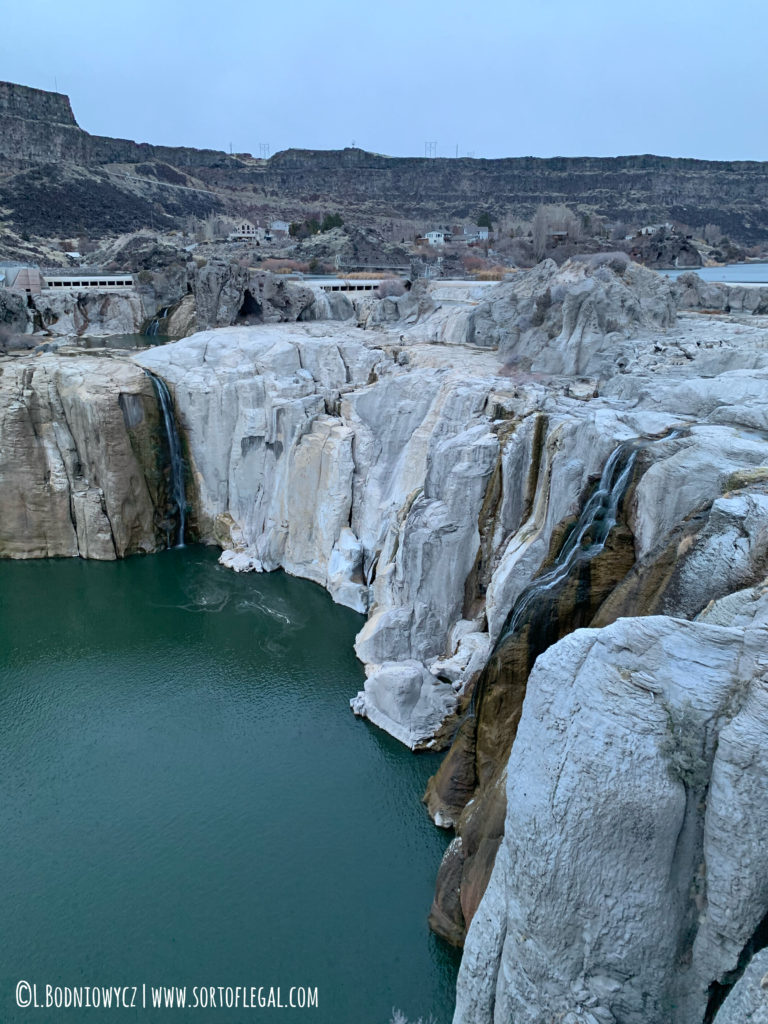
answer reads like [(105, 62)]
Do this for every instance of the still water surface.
[(186, 798), (731, 273)]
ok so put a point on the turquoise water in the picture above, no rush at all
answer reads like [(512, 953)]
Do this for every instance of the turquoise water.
[(731, 273), (187, 799)]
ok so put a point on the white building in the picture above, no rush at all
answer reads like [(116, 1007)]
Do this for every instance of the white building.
[(86, 280), (651, 229), (246, 230), (435, 237)]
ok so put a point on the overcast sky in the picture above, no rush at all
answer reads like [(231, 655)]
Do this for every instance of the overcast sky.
[(493, 78)]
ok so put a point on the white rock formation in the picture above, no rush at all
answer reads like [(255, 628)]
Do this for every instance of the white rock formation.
[(422, 470), (748, 1002), (93, 313), (633, 869), (363, 459)]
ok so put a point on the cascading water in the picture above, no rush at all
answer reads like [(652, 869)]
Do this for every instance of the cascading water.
[(586, 540), (561, 599), (154, 324), (178, 493)]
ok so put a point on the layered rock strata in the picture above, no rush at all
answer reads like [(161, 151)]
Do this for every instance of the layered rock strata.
[(38, 129)]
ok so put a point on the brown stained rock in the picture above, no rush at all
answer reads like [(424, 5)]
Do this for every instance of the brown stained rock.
[(79, 462), (446, 917), (498, 704), (482, 829), (451, 787)]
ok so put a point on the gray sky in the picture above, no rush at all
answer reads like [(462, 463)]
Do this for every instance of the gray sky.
[(515, 78)]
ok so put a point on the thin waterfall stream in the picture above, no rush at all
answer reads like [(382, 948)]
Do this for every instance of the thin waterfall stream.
[(178, 491), (588, 537), (153, 327), (584, 543)]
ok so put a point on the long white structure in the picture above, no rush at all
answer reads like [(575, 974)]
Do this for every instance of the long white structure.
[(82, 281)]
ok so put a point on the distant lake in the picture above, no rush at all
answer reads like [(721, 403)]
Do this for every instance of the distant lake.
[(730, 273)]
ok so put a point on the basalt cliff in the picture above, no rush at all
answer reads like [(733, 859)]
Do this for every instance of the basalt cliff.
[(550, 499), (58, 179)]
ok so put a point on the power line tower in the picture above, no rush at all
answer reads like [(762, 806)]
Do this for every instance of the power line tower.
[(430, 149), (264, 150)]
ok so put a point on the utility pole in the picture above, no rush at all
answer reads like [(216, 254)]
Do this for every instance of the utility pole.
[(264, 150), (430, 149)]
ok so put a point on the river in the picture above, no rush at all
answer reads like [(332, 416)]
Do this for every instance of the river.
[(730, 273), (188, 800)]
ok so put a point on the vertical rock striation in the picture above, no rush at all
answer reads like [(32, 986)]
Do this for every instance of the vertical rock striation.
[(632, 872), (79, 459)]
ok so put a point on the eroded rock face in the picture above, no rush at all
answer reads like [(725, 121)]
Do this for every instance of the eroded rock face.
[(225, 292), (748, 1002), (91, 313), (691, 292), (426, 470), (80, 462), (632, 871), (577, 319)]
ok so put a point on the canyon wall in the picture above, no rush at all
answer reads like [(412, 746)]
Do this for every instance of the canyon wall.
[(81, 459), (431, 470), (38, 129)]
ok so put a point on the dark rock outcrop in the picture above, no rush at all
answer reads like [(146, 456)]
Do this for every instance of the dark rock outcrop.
[(38, 127), (665, 250)]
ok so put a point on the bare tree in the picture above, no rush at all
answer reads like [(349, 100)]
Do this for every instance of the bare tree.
[(550, 222), (540, 230)]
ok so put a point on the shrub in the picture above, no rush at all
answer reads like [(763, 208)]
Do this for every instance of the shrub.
[(284, 266), (474, 263), (365, 275), (490, 274), (390, 287), (330, 221)]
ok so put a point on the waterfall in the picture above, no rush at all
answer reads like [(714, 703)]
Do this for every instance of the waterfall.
[(586, 540), (178, 493), (154, 325)]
